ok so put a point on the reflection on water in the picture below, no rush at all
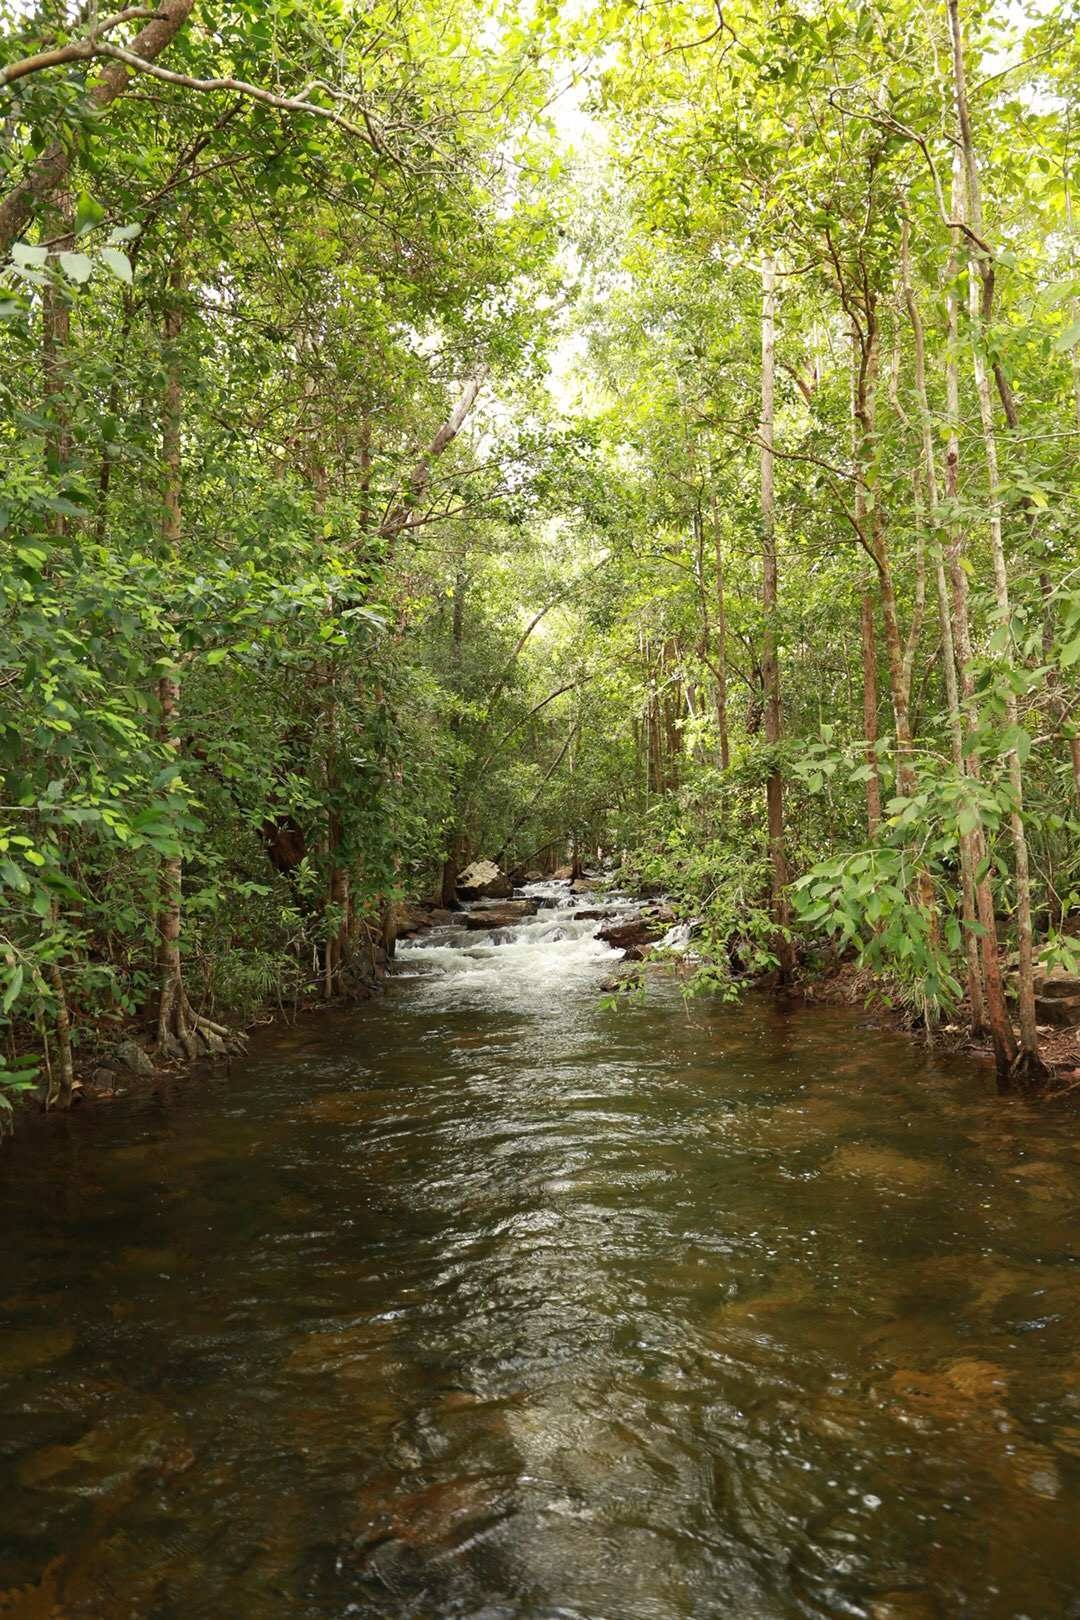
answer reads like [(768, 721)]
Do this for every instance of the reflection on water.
[(486, 1303)]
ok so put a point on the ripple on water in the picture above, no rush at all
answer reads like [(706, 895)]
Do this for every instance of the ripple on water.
[(486, 1302)]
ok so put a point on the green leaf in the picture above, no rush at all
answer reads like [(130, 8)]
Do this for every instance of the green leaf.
[(88, 213), (117, 262), (1067, 339), (14, 877), (76, 266), (28, 257), (14, 986)]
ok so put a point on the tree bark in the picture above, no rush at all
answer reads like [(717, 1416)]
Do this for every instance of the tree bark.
[(403, 513), (720, 649), (774, 787), (870, 711), (56, 338), (952, 692), (1029, 1065), (181, 1032), (996, 1009)]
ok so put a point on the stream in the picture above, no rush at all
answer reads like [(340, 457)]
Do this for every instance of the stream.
[(486, 1302)]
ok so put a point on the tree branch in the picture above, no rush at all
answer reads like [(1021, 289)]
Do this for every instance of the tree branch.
[(49, 171), (402, 513), (254, 92), (77, 50)]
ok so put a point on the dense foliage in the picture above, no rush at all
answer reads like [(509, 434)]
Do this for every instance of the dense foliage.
[(407, 458)]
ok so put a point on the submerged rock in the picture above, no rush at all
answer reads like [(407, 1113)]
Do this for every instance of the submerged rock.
[(882, 1165), (978, 1380), (108, 1457), (625, 979), (23, 1348)]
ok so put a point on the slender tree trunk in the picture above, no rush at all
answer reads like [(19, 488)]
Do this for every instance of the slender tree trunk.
[(774, 787), (870, 710), (996, 1008), (56, 336), (105, 468), (952, 691), (980, 308), (181, 1032), (175, 1032), (720, 650), (455, 845), (1030, 1061), (867, 634), (61, 1085), (1072, 725), (56, 339), (871, 521)]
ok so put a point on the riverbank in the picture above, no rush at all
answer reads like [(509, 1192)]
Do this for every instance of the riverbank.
[(849, 985), (634, 926)]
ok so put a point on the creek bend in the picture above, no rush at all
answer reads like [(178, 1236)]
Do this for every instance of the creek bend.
[(487, 1302)]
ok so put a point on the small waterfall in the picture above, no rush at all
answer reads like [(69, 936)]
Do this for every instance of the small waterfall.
[(534, 962)]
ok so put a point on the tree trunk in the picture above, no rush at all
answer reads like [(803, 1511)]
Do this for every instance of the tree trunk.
[(774, 787), (720, 649), (1029, 1065), (56, 338), (996, 1010), (60, 1087), (870, 708), (871, 521), (175, 1031), (952, 693)]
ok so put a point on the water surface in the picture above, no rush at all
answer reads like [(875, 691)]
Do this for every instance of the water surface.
[(485, 1302)]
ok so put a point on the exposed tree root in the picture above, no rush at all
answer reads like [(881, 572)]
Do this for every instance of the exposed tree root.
[(185, 1035)]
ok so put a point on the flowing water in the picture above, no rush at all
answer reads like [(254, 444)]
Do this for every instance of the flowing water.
[(489, 1302)]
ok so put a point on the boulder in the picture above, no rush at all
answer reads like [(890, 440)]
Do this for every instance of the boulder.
[(563, 874), (590, 916), (630, 933), (439, 917), (483, 881), (406, 920), (1057, 985), (533, 876), (133, 1058), (506, 915), (1057, 999), (581, 885)]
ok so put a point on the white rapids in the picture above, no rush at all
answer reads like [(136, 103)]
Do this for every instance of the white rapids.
[(532, 964)]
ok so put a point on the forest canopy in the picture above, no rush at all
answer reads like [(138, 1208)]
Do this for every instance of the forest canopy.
[(615, 431)]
